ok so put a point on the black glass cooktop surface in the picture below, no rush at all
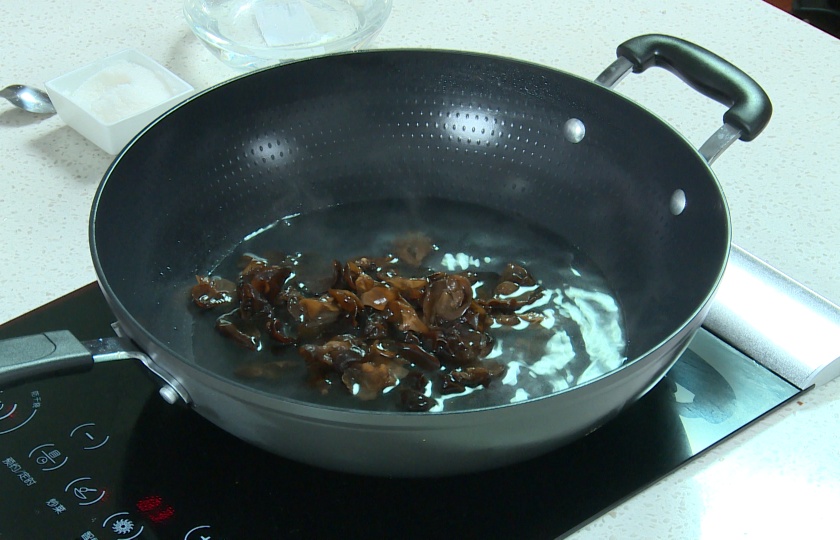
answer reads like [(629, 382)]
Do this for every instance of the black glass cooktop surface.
[(100, 456)]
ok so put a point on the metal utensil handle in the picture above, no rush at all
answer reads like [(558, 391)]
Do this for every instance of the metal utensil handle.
[(39, 355), (749, 106)]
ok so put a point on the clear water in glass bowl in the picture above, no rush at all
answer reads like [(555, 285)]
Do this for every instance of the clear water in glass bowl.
[(249, 34)]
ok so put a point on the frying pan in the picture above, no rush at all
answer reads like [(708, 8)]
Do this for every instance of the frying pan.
[(620, 184)]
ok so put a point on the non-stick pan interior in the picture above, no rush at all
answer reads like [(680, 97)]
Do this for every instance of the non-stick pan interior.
[(407, 124)]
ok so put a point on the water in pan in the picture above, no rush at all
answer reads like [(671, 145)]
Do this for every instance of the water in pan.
[(579, 333)]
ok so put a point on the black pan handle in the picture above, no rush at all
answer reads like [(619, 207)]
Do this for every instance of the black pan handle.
[(749, 106), (28, 358), (51, 353)]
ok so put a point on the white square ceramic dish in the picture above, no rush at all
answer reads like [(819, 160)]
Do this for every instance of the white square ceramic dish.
[(112, 100)]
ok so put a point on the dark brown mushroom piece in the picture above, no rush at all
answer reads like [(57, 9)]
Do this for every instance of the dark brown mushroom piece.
[(506, 288), (449, 386), (364, 283), (238, 331), (264, 370), (336, 354), (270, 281), (366, 380), (363, 266), (246, 260), (458, 380), (462, 345), (413, 392), (532, 317), (404, 317), (509, 304), (382, 350), (375, 325), (316, 316), (348, 302), (447, 298), (418, 356), (212, 291), (473, 376), (477, 317), (356, 275), (349, 273), (252, 304), (378, 297), (409, 288), (507, 319), (517, 274), (279, 331), (484, 283), (322, 310), (315, 274), (412, 248)]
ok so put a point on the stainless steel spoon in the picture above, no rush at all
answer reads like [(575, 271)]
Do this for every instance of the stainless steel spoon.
[(28, 98)]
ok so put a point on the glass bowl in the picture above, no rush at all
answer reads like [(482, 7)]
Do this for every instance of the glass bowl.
[(249, 34)]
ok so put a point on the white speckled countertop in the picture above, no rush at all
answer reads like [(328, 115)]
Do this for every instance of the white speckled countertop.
[(779, 478)]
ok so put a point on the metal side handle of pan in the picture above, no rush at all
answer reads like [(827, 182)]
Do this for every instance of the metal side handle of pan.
[(59, 353), (749, 106)]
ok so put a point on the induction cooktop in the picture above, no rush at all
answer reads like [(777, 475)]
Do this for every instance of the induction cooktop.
[(100, 456)]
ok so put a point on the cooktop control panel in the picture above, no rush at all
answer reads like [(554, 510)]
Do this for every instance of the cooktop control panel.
[(67, 467)]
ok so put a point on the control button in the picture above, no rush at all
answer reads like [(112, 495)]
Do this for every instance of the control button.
[(122, 525), (82, 490), (202, 532), (48, 457), (14, 416), (89, 436)]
